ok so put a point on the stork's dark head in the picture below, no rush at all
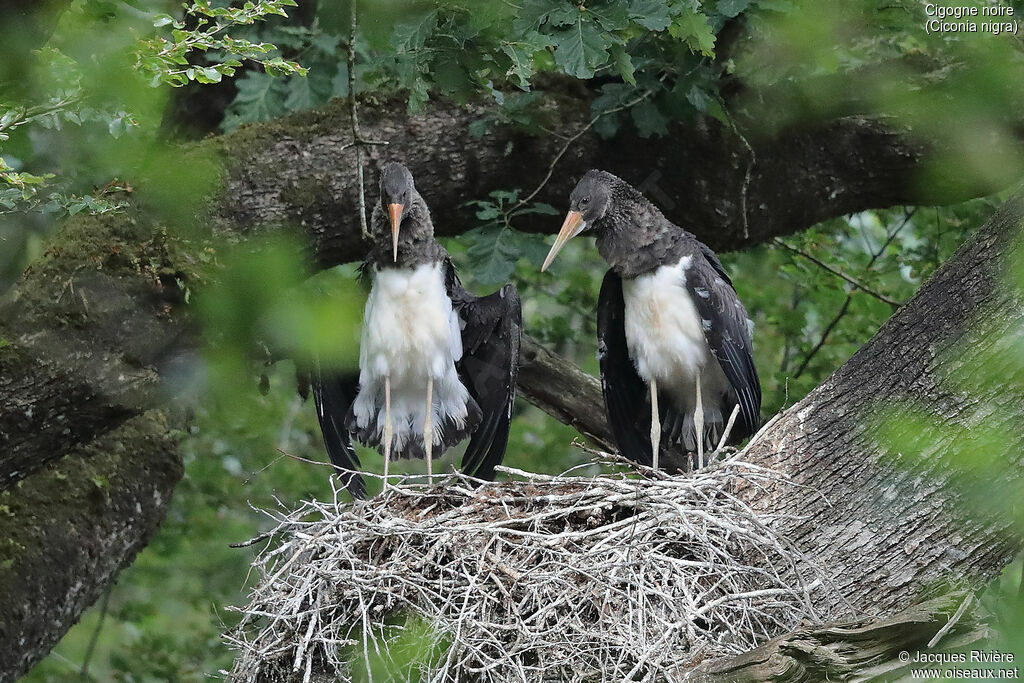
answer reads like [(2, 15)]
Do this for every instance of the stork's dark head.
[(589, 203), (397, 196)]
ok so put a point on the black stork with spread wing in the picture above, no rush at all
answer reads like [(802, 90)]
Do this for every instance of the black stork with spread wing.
[(671, 330), (436, 363)]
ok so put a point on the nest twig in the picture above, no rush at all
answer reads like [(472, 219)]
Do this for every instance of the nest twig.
[(605, 578)]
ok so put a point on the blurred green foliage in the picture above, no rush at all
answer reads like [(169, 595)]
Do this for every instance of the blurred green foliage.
[(83, 119)]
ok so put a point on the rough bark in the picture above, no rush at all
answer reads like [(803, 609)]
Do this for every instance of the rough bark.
[(866, 650), (299, 171), (85, 474), (889, 525), (82, 338), (67, 531)]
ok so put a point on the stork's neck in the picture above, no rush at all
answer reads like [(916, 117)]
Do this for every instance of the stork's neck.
[(637, 239)]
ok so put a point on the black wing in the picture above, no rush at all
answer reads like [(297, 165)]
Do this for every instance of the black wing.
[(491, 334), (727, 331), (333, 395), (625, 393), (712, 258)]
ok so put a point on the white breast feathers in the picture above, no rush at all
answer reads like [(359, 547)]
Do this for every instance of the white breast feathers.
[(410, 333), (663, 330)]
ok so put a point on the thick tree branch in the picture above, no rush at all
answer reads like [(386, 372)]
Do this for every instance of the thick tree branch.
[(865, 649), (69, 529), (559, 388), (298, 171)]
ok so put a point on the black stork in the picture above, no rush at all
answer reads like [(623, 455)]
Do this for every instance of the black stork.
[(436, 363), (669, 323)]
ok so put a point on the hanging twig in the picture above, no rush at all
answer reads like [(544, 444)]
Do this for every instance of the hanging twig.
[(355, 122), (751, 160), (84, 672), (357, 138), (824, 337)]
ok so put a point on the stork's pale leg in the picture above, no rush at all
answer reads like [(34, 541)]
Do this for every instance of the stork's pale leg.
[(655, 426), (698, 426), (389, 431), (428, 431)]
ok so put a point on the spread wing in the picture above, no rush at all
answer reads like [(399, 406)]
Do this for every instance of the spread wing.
[(333, 395), (491, 334), (727, 330)]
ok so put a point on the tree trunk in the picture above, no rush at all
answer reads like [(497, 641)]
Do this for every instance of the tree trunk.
[(87, 330), (887, 524)]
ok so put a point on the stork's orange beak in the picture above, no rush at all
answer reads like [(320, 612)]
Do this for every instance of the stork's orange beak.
[(572, 226), (395, 211)]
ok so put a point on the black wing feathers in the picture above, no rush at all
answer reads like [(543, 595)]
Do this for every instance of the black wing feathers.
[(727, 333), (625, 393), (491, 335), (712, 258), (333, 394)]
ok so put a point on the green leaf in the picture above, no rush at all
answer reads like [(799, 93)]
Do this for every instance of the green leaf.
[(624, 64), (541, 208), (116, 126), (706, 104), (520, 55), (492, 254), (611, 15), (531, 15), (649, 120), (309, 92), (565, 14), (695, 30), (651, 14), (581, 49), (419, 93), (208, 75), (259, 98), (413, 33), (730, 8)]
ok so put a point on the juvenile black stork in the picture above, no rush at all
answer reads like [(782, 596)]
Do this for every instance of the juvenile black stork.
[(436, 363), (669, 323)]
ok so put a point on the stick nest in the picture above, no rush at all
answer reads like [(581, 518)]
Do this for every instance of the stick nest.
[(605, 578)]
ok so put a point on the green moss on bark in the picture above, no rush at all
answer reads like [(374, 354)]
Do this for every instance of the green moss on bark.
[(67, 529)]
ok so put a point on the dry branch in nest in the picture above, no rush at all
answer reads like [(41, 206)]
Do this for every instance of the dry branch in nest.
[(605, 578)]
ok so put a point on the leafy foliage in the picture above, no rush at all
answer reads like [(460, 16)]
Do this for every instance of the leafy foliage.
[(75, 78), (167, 61)]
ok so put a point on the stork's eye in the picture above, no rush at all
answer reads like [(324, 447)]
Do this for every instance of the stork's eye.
[(584, 201)]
